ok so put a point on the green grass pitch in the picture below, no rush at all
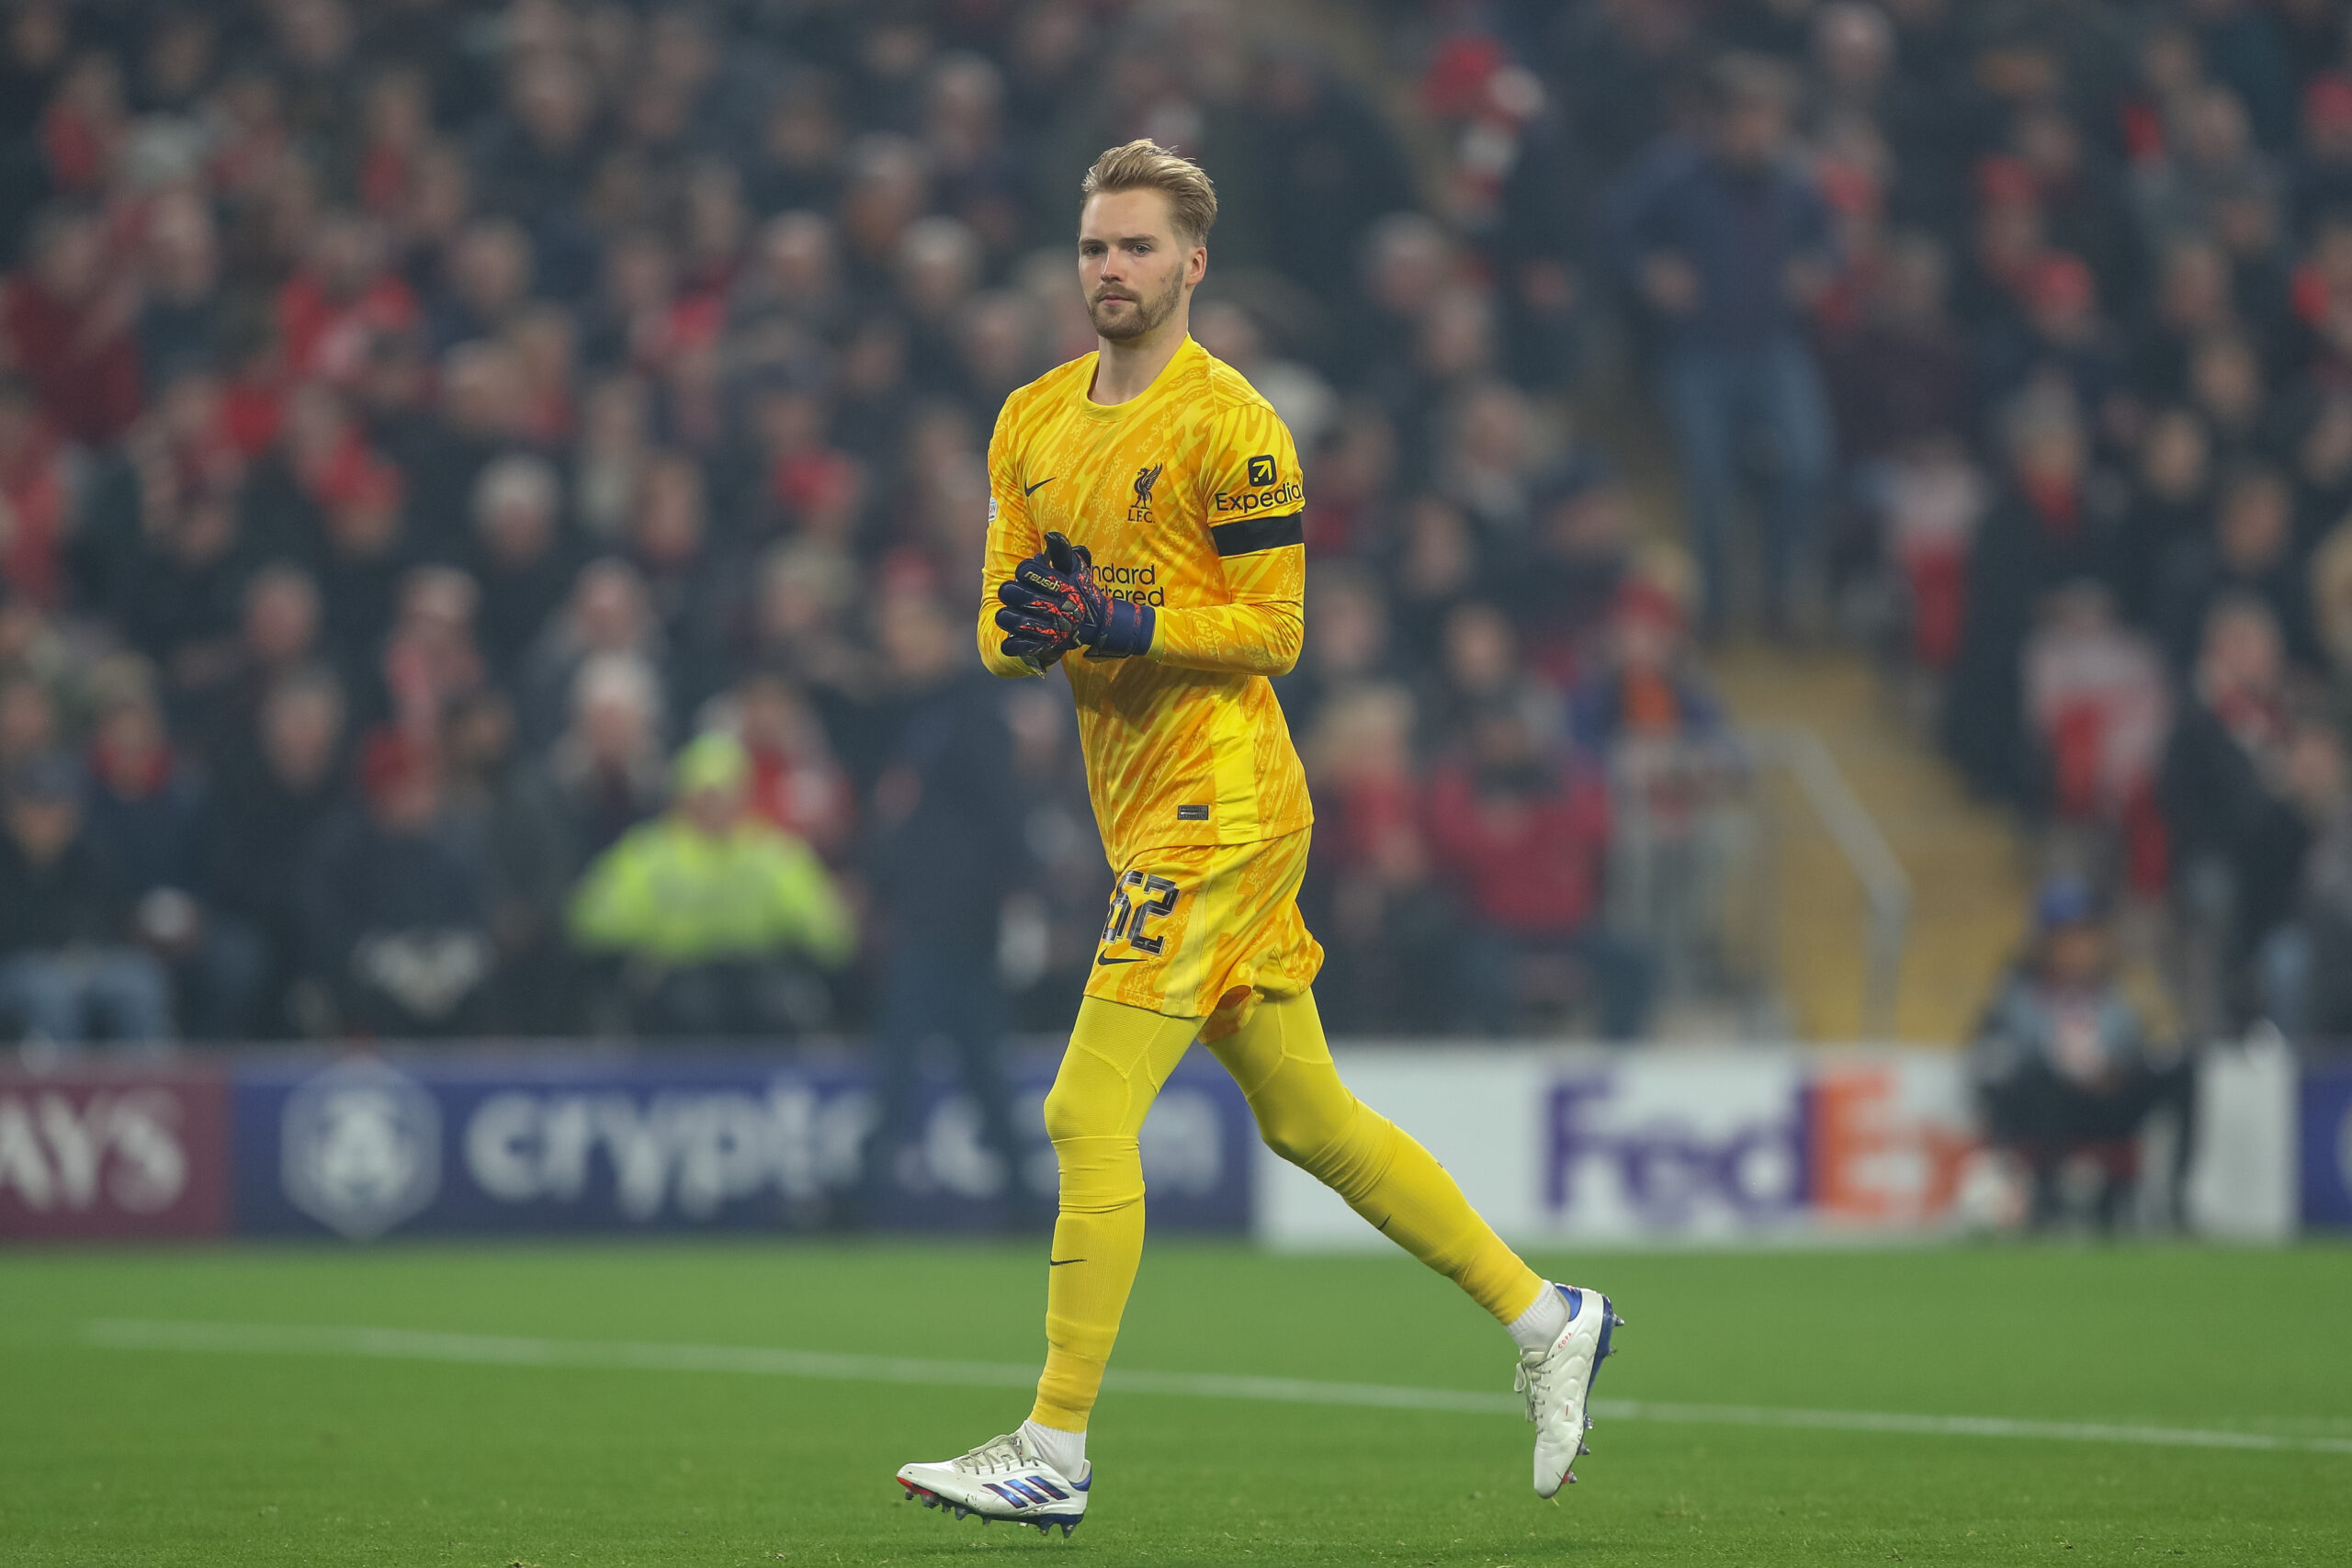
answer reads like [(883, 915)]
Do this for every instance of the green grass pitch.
[(114, 1454)]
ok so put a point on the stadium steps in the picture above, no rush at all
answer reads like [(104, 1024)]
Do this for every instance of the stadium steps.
[(1969, 870)]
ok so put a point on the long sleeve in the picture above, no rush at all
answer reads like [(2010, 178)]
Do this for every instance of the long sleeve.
[(1255, 497), (1012, 539), (1258, 633)]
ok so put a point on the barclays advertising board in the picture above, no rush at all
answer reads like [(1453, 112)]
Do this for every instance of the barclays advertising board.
[(368, 1147)]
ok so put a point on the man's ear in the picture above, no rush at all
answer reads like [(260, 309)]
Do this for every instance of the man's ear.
[(1196, 265)]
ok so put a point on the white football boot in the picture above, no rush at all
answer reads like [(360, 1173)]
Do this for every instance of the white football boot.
[(1003, 1479), (1557, 1382)]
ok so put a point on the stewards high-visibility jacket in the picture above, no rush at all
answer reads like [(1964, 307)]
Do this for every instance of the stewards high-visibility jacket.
[(669, 892)]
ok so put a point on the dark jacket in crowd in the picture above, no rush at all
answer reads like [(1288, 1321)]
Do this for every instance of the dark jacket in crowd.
[(70, 901), (947, 845), (1738, 228), (360, 880)]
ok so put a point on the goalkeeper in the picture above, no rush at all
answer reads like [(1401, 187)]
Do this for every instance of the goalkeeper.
[(1144, 533)]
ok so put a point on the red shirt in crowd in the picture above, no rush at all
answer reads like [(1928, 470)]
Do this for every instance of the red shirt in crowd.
[(1529, 862), (85, 366)]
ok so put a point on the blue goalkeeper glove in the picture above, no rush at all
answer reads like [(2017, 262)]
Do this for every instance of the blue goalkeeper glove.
[(1039, 628), (1054, 595)]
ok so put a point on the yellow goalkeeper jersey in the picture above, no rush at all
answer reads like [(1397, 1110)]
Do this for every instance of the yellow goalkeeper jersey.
[(1189, 497)]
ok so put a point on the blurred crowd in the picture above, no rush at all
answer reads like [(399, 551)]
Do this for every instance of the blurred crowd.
[(492, 502), (2024, 334), (491, 493)]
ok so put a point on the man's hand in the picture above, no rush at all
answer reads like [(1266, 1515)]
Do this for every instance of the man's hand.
[(1038, 628), (1054, 597)]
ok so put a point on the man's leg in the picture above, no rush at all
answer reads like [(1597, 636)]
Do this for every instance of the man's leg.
[(1308, 1116), (1796, 414), (38, 993), (1698, 407), (129, 990), (1118, 1057), (896, 1055)]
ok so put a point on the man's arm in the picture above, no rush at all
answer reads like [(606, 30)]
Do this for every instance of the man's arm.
[(1259, 632), (1012, 539), (1255, 501)]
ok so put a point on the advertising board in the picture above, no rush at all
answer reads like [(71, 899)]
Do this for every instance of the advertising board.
[(1701, 1143), (2325, 1144), (94, 1152), (367, 1146)]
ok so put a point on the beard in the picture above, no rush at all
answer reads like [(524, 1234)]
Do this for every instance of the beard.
[(1149, 313)]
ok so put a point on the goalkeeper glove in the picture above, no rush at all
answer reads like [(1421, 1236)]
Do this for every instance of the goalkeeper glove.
[(1037, 628), (1059, 590)]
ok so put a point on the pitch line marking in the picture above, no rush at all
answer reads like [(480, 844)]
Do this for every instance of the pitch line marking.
[(515, 1351)]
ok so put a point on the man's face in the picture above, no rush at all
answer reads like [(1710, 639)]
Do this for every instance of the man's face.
[(2077, 953), (713, 810), (1751, 132), (43, 827), (1131, 266)]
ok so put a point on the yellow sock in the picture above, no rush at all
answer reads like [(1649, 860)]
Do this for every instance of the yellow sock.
[(1308, 1116), (1118, 1057)]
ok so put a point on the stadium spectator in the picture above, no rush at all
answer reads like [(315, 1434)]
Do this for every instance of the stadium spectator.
[(2100, 709), (2064, 1066), (268, 802), (508, 803), (946, 852), (2306, 962), (2249, 552), (607, 767), (1727, 244), (66, 320), (146, 809), (2238, 840), (395, 901), (521, 557), (70, 967), (1523, 842), (1373, 881), (796, 787), (1642, 689), (717, 923)]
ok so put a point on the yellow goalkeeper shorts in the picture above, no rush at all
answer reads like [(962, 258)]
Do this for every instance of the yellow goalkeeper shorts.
[(1202, 930)]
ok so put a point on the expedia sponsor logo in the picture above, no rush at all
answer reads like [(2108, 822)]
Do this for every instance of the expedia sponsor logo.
[(1272, 498), (1138, 583)]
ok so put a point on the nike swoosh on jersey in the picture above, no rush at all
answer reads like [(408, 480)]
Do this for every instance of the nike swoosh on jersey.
[(1057, 1262), (1032, 489), (1100, 962)]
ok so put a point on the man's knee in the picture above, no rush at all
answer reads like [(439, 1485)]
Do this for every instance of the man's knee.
[(1077, 1109), (1318, 1133), (1101, 1165)]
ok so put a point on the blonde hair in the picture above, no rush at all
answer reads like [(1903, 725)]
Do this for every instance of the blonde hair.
[(1146, 166)]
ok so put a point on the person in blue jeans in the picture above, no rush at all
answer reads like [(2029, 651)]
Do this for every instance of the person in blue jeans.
[(1726, 243), (68, 969)]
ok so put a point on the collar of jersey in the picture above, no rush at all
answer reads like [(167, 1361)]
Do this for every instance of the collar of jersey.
[(1151, 394)]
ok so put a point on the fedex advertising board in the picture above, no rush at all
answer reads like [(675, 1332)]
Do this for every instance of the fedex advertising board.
[(1698, 1144), (96, 1153), (367, 1146)]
